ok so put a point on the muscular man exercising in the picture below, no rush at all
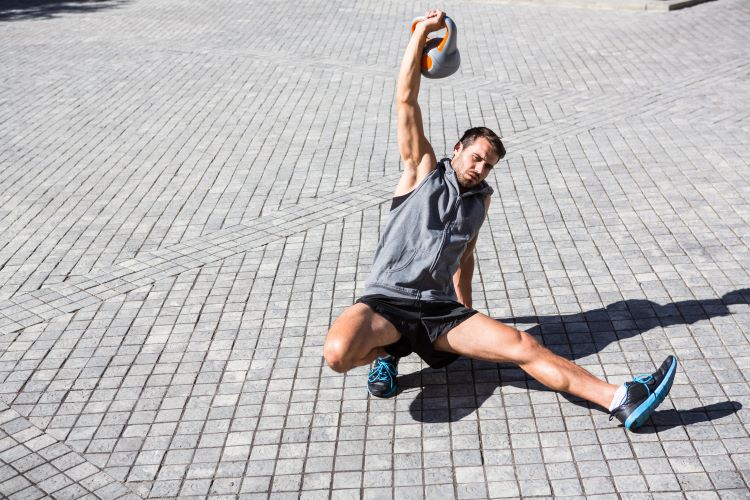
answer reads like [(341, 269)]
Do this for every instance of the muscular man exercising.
[(418, 296)]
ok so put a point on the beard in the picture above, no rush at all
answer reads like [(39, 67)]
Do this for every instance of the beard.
[(465, 182)]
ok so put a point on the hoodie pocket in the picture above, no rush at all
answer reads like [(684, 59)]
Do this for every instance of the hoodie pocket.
[(403, 262)]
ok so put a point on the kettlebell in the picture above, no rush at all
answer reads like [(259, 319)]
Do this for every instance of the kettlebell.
[(440, 57)]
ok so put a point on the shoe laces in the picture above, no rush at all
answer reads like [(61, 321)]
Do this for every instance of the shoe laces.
[(644, 379), (383, 370)]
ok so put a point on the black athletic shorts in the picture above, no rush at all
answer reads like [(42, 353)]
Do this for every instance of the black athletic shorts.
[(420, 324)]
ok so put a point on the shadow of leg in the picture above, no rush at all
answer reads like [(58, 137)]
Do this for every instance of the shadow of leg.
[(452, 393)]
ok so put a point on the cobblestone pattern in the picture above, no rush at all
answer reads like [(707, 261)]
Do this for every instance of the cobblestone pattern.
[(155, 99), (650, 5), (44, 304), (192, 192), (54, 300), (35, 465)]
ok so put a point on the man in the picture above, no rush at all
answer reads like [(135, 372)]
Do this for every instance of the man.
[(418, 296)]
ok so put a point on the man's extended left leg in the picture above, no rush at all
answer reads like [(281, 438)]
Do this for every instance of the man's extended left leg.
[(481, 337)]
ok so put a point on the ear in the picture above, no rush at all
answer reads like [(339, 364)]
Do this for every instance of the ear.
[(458, 147)]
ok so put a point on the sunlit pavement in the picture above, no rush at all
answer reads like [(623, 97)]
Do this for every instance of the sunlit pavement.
[(191, 191)]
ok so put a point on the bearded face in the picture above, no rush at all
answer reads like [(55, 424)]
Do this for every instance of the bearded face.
[(473, 163)]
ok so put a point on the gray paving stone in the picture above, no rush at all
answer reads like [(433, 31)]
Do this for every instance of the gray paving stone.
[(189, 198)]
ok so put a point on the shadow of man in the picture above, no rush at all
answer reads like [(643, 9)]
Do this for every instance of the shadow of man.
[(19, 10), (452, 393)]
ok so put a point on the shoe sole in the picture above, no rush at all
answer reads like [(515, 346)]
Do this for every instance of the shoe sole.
[(646, 408)]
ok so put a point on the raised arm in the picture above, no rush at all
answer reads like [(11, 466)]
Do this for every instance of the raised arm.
[(416, 152)]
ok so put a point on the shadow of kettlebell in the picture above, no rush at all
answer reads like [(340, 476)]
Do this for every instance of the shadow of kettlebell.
[(440, 57)]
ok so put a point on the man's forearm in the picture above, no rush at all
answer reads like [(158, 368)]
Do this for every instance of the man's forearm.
[(410, 73), (462, 281)]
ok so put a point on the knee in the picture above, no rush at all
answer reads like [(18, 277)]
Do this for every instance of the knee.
[(334, 353), (528, 341), (343, 347), (527, 349)]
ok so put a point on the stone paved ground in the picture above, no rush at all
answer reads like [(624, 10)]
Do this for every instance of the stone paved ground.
[(191, 191)]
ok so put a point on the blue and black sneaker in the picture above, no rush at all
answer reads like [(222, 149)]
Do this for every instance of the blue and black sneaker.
[(381, 381), (644, 394)]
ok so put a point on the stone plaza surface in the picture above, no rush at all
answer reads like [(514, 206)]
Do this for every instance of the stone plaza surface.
[(190, 192)]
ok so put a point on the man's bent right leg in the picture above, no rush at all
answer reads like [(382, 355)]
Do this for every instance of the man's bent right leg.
[(357, 337)]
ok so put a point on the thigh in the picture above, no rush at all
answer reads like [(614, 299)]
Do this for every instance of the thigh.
[(481, 337), (359, 330)]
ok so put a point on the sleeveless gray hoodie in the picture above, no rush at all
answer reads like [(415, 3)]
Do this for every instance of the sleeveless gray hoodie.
[(425, 237)]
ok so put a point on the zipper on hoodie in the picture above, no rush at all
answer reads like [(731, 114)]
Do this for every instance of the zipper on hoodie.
[(445, 234)]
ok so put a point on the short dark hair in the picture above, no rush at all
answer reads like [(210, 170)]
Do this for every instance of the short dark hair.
[(471, 135)]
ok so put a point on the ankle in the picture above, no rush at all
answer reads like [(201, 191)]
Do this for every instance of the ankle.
[(618, 397)]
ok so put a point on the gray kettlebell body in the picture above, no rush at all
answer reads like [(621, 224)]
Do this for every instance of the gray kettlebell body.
[(440, 57)]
